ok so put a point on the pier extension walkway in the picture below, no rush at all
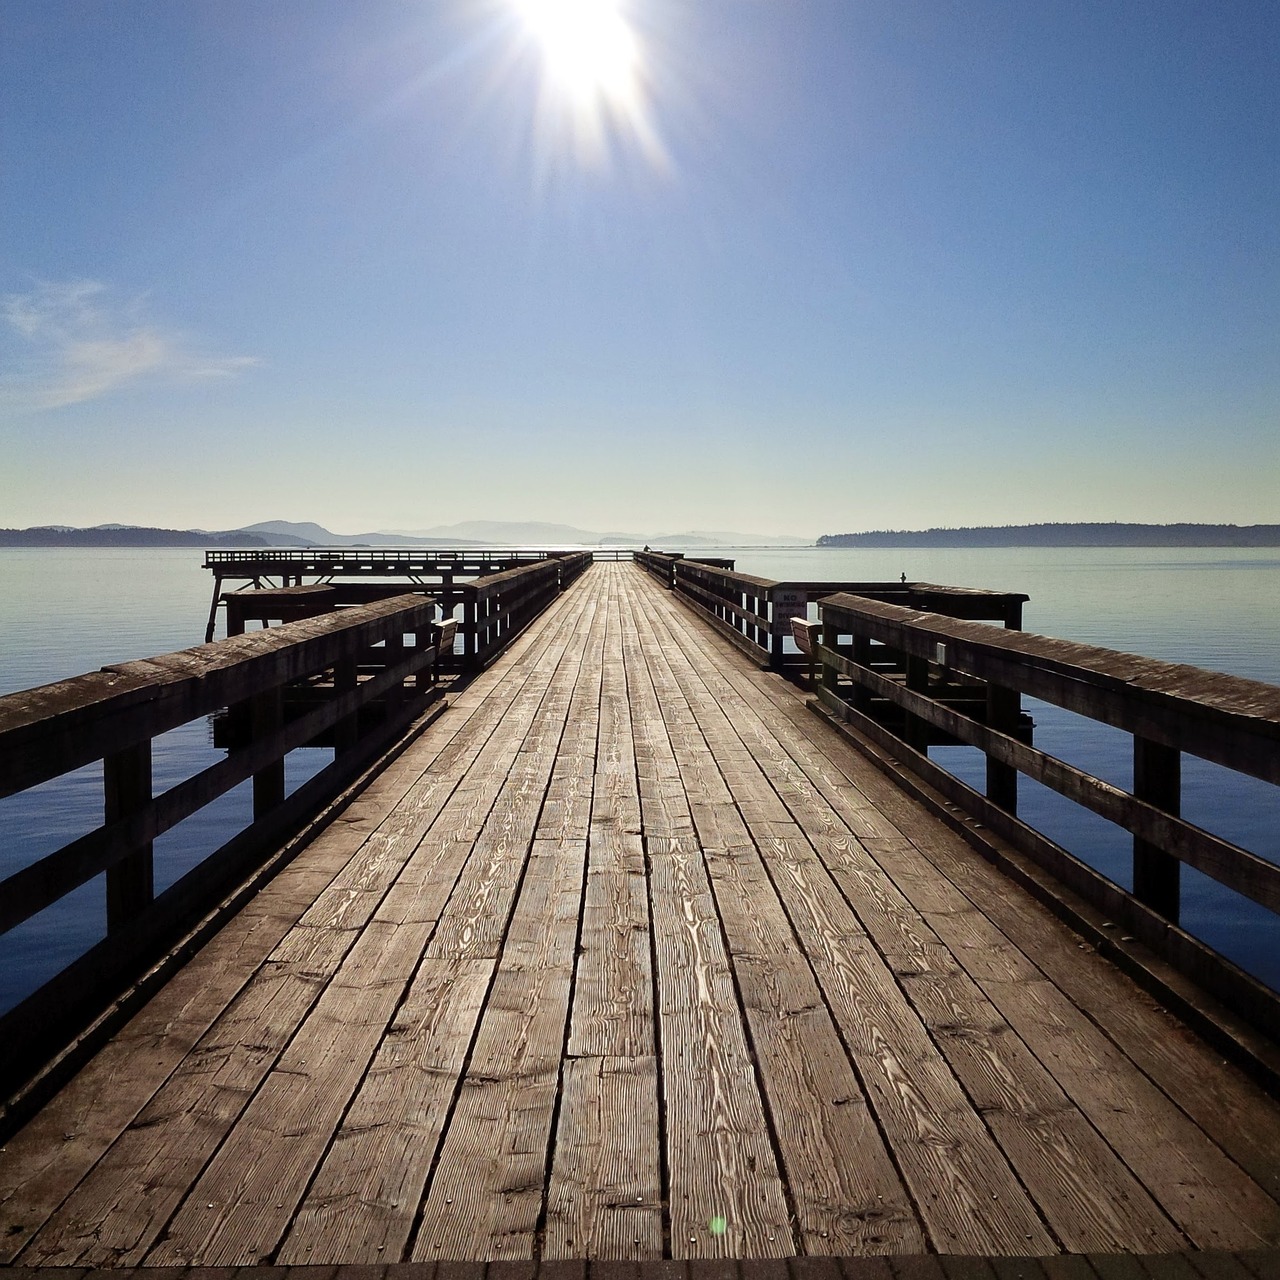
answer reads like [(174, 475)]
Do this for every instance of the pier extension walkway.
[(628, 956)]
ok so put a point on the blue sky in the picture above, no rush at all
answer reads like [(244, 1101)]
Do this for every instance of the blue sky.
[(831, 265)]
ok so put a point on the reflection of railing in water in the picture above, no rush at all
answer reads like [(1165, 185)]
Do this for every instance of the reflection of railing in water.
[(905, 679)]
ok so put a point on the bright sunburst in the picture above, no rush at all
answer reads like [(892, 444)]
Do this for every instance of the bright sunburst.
[(590, 49), (593, 77)]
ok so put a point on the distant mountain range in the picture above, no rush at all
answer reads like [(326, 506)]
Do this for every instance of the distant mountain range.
[(472, 533), (112, 535), (1067, 535), (288, 533), (536, 533)]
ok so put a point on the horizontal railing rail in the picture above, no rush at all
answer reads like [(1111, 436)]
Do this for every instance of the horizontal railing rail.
[(875, 654), (361, 574), (363, 688), (660, 564), (756, 613), (497, 607), (737, 604), (366, 555)]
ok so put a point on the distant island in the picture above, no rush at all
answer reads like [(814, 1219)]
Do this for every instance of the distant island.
[(1067, 535), (288, 533), (127, 536)]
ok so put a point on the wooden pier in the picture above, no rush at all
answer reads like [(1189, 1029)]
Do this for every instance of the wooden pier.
[(626, 957)]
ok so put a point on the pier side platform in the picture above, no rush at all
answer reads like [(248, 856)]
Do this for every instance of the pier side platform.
[(629, 957)]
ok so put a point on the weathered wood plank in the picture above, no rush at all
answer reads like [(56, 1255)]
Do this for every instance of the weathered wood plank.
[(1159, 1051), (846, 1192), (605, 1196), (944, 1151), (1087, 1194), (486, 1192), (722, 1170), (344, 904), (240, 1207), (371, 1150)]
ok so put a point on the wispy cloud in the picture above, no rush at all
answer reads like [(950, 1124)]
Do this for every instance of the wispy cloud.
[(70, 342)]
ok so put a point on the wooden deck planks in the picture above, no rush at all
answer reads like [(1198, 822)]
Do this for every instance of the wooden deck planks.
[(1089, 1197), (604, 1196), (1106, 1206), (180, 1127), (629, 958)]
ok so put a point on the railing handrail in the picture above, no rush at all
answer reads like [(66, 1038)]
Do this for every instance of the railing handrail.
[(346, 679), (495, 582), (730, 577), (54, 728), (236, 555), (1229, 720), (918, 678)]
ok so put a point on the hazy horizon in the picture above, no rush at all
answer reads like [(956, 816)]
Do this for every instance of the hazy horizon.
[(798, 268)]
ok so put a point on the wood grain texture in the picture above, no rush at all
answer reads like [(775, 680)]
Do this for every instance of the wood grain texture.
[(629, 959), (605, 1194)]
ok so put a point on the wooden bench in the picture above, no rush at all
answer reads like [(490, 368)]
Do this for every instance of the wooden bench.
[(808, 636)]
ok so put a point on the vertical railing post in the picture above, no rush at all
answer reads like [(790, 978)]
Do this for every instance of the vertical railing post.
[(126, 785), (266, 719), (830, 639), (915, 732), (1004, 710), (470, 632), (1157, 779), (395, 654), (861, 654), (346, 733)]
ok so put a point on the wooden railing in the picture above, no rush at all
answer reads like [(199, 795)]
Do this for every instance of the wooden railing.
[(756, 614), (962, 682), (357, 559), (496, 607), (364, 686), (358, 575)]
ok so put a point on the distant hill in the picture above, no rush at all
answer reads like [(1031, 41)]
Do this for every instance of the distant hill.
[(288, 533), (533, 533), (1067, 535), (117, 535), (271, 533)]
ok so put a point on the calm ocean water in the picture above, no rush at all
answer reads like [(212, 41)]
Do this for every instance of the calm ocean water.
[(64, 612)]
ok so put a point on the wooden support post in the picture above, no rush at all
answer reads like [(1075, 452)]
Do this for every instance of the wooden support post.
[(830, 639), (470, 633), (1157, 779), (915, 732), (861, 654), (346, 733), (1004, 709), (266, 719), (213, 608), (126, 783), (395, 654)]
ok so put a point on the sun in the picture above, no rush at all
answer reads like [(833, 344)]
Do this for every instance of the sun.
[(589, 49)]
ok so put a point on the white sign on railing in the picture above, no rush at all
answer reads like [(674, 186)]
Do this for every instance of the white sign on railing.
[(788, 605)]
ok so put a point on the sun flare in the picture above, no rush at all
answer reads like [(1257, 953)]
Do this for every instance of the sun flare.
[(594, 81), (589, 48)]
